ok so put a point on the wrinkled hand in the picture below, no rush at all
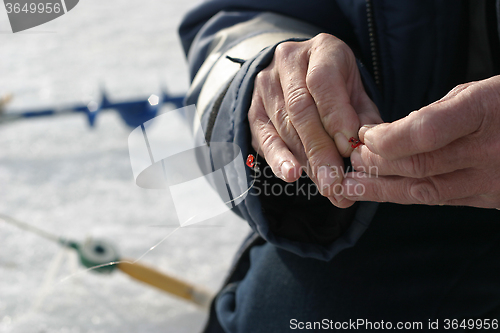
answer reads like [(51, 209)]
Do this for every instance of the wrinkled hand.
[(310, 93), (447, 153)]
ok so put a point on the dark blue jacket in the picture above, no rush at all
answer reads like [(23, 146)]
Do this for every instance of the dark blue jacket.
[(436, 261), (410, 54)]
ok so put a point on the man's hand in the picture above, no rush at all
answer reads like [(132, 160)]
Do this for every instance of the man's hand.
[(310, 94), (447, 153)]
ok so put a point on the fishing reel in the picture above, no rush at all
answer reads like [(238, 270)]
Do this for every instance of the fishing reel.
[(98, 254)]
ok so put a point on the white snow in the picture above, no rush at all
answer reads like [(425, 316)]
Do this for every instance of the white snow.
[(61, 176)]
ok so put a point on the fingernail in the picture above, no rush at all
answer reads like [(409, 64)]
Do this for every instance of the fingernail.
[(342, 143), (326, 176), (364, 128), (363, 131), (285, 170)]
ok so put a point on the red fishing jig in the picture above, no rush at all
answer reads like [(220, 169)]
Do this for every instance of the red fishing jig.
[(250, 161), (355, 143)]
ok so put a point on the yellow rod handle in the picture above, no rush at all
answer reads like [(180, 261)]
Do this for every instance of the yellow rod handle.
[(166, 283)]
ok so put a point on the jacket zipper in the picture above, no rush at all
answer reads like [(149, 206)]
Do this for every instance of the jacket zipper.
[(373, 44)]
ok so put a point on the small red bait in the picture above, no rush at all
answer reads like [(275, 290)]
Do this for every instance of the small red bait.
[(355, 142), (250, 161)]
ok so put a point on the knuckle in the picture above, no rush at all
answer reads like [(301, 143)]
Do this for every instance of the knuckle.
[(456, 91), (262, 77), (281, 115), (315, 78), (333, 123), (324, 38), (298, 100), (283, 50), (461, 87), (317, 83), (282, 120), (340, 49), (417, 166), (424, 191), (252, 115), (255, 112), (314, 150), (268, 144), (321, 37)]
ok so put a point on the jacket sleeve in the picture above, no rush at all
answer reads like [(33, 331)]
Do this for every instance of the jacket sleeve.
[(227, 46)]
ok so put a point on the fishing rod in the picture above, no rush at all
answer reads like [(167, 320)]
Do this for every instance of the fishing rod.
[(134, 112), (101, 256)]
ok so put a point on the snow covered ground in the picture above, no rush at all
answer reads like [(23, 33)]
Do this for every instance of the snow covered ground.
[(59, 175)]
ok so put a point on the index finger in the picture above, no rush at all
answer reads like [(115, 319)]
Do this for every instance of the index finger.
[(425, 130), (319, 148)]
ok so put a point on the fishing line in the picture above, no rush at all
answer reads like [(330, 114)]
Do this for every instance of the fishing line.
[(66, 243), (112, 263), (255, 168), (157, 244)]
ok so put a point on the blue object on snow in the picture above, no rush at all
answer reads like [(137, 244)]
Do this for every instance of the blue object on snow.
[(134, 113)]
